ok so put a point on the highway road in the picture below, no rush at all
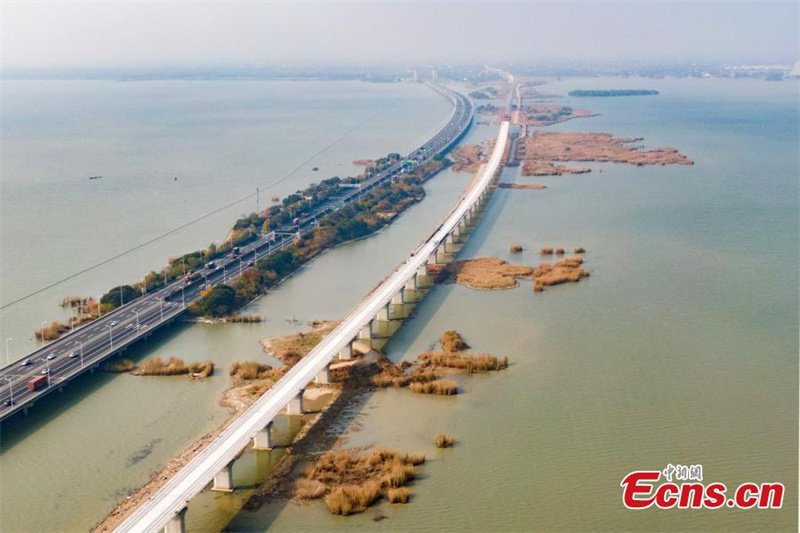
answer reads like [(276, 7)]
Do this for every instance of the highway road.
[(173, 496), (84, 348)]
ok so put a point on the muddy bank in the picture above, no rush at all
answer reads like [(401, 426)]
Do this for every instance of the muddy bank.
[(291, 348), (467, 158)]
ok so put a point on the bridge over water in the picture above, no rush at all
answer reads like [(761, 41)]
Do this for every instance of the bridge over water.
[(83, 349), (369, 322)]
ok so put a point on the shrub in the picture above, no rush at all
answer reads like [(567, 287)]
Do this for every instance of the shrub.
[(397, 495), (351, 499), (444, 441), (579, 250), (546, 250), (453, 342), (309, 489), (516, 248), (445, 387)]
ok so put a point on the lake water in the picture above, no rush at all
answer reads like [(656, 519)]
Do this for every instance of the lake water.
[(681, 348)]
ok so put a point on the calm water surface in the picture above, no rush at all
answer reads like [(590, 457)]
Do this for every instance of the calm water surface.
[(681, 348)]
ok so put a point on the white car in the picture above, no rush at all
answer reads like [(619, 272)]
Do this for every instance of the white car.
[(73, 355), (51, 357)]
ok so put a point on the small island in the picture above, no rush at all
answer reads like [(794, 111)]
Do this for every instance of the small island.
[(606, 93)]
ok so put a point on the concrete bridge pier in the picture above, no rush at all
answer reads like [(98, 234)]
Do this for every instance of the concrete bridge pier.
[(383, 314), (433, 259), (295, 405), (398, 305), (323, 377), (441, 254), (411, 290), (366, 332), (263, 439), (223, 481), (346, 353), (177, 524)]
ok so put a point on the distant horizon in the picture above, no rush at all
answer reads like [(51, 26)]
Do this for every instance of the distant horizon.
[(139, 34)]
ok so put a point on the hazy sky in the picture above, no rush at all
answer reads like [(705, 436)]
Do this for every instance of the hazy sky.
[(69, 34)]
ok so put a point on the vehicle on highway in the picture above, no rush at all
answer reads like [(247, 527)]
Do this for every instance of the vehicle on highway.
[(26, 362), (37, 383), (8, 403), (113, 323), (211, 265), (51, 357), (73, 355), (45, 371)]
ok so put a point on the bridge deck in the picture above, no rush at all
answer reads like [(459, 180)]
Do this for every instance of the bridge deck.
[(192, 478)]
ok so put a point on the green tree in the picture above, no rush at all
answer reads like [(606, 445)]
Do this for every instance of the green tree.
[(119, 296)]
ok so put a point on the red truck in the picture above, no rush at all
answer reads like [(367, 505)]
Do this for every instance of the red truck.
[(37, 383)]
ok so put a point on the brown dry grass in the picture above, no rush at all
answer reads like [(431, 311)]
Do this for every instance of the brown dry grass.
[(560, 251), (470, 362), (486, 273), (289, 349), (443, 440), (452, 341), (444, 387), (546, 250), (174, 366), (565, 270), (466, 158), (309, 489), (516, 248), (350, 482), (352, 498), (244, 319), (398, 495), (52, 331), (250, 370), (576, 146)]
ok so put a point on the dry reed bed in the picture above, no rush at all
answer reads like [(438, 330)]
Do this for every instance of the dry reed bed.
[(290, 348), (250, 370), (350, 483), (444, 440), (484, 273), (564, 270), (452, 341), (174, 366)]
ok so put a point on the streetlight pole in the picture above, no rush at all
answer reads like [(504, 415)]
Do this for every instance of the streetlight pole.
[(10, 389), (184, 265), (81, 349), (161, 301), (183, 295), (137, 319), (8, 353)]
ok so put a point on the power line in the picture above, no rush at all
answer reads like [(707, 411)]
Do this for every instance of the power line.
[(196, 220)]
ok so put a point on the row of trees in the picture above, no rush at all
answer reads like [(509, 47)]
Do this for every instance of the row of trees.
[(358, 219)]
